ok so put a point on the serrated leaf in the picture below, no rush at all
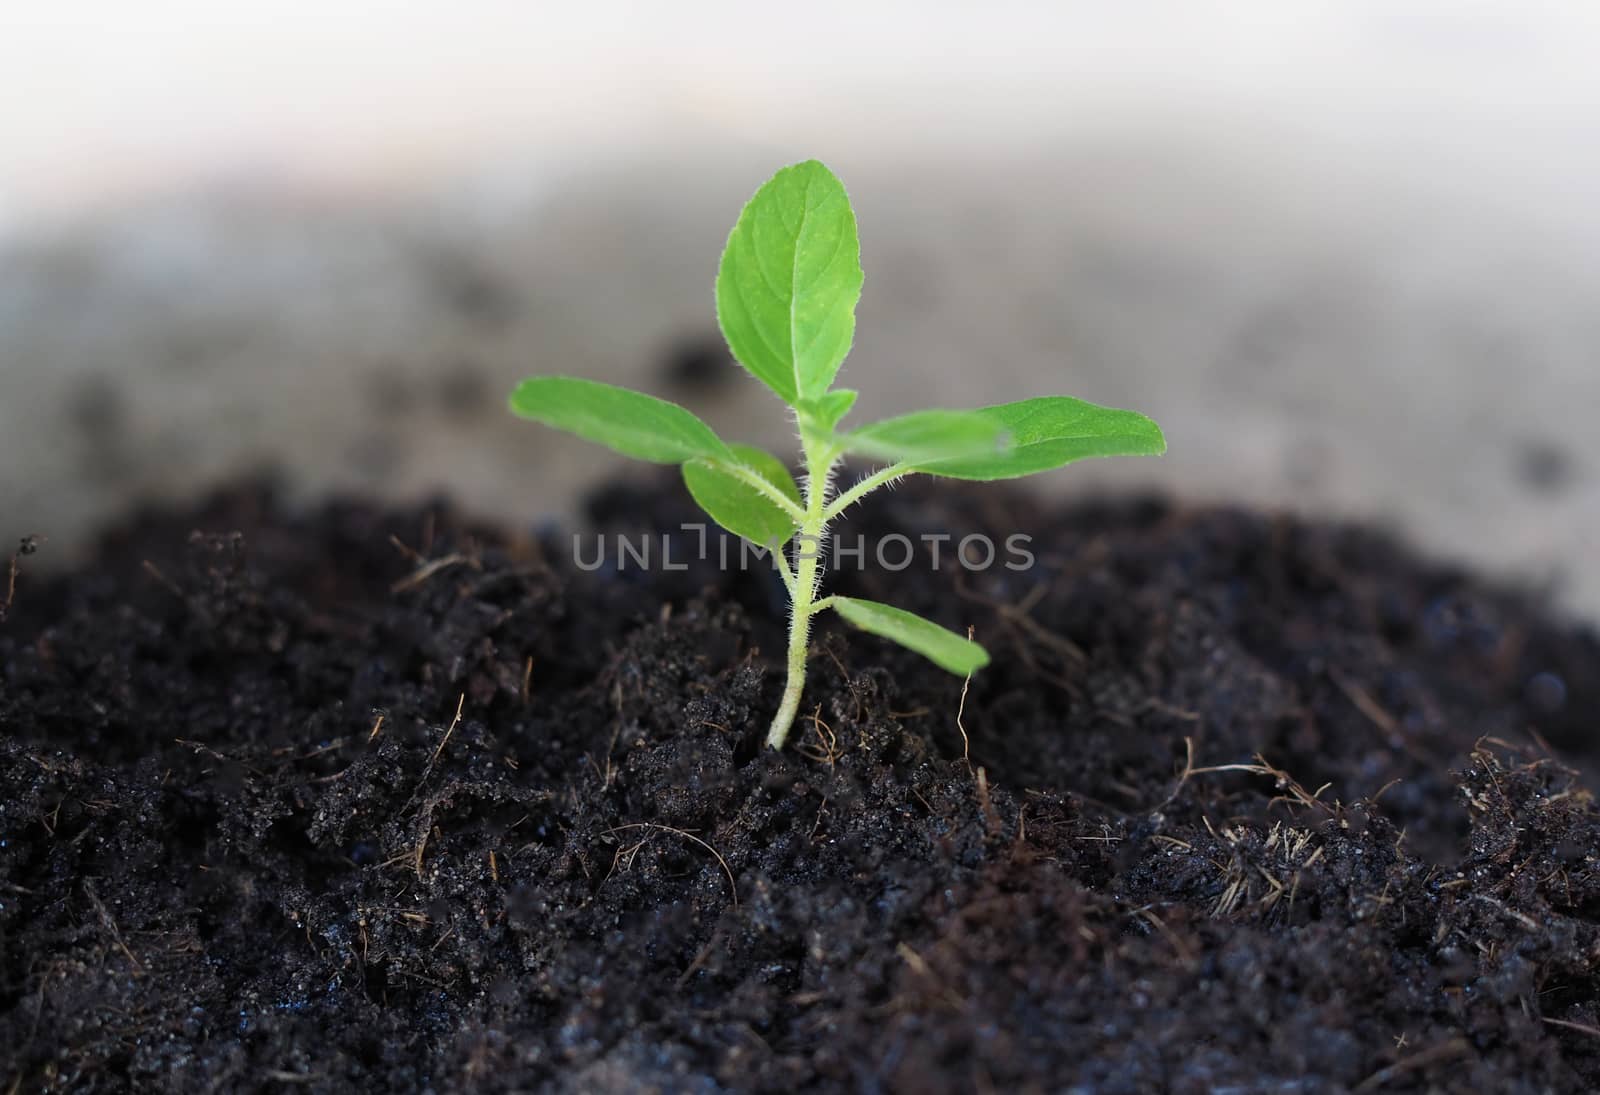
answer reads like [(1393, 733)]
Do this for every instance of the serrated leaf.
[(632, 423), (739, 507), (929, 435), (831, 407), (789, 281), (1052, 431), (942, 647)]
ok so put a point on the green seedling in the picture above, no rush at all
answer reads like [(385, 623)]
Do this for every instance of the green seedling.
[(786, 301)]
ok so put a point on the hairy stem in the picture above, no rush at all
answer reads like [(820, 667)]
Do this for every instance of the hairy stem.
[(773, 494), (809, 542), (871, 483)]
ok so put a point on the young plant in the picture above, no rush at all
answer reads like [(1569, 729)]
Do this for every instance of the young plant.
[(786, 301)]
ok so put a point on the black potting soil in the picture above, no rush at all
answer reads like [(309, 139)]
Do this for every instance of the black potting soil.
[(359, 800)]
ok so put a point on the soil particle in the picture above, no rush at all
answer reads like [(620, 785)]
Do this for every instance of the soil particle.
[(365, 800)]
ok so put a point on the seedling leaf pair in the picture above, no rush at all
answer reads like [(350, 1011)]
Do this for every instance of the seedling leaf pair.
[(786, 296)]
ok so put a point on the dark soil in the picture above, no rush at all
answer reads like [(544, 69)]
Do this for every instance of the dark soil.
[(1252, 806)]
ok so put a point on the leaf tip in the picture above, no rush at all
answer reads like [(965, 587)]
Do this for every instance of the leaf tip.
[(980, 657), (519, 399), (1158, 439)]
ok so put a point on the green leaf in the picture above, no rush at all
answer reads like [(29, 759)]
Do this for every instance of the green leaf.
[(632, 423), (930, 435), (770, 468), (789, 281), (940, 646), (831, 407), (739, 507), (1052, 431)]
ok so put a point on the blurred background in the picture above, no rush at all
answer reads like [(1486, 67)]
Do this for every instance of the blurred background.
[(1348, 254)]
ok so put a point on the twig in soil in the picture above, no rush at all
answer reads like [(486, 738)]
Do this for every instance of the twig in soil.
[(1297, 794), (1020, 614), (111, 926), (1022, 627), (434, 566), (919, 966), (1568, 1024), (1521, 918), (826, 751), (1538, 740), (816, 825), (1183, 777), (608, 773), (1162, 707), (405, 549), (625, 857), (426, 812), (27, 546), (1285, 782), (345, 771), (11, 595), (166, 583), (460, 702), (844, 674), (220, 758), (328, 747), (52, 970), (1444, 1051), (699, 960), (733, 886), (1150, 917), (1364, 702), (961, 709), (433, 760), (991, 816), (422, 846), (1376, 713)]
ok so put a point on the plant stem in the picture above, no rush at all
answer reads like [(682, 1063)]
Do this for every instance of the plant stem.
[(865, 487), (802, 594)]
